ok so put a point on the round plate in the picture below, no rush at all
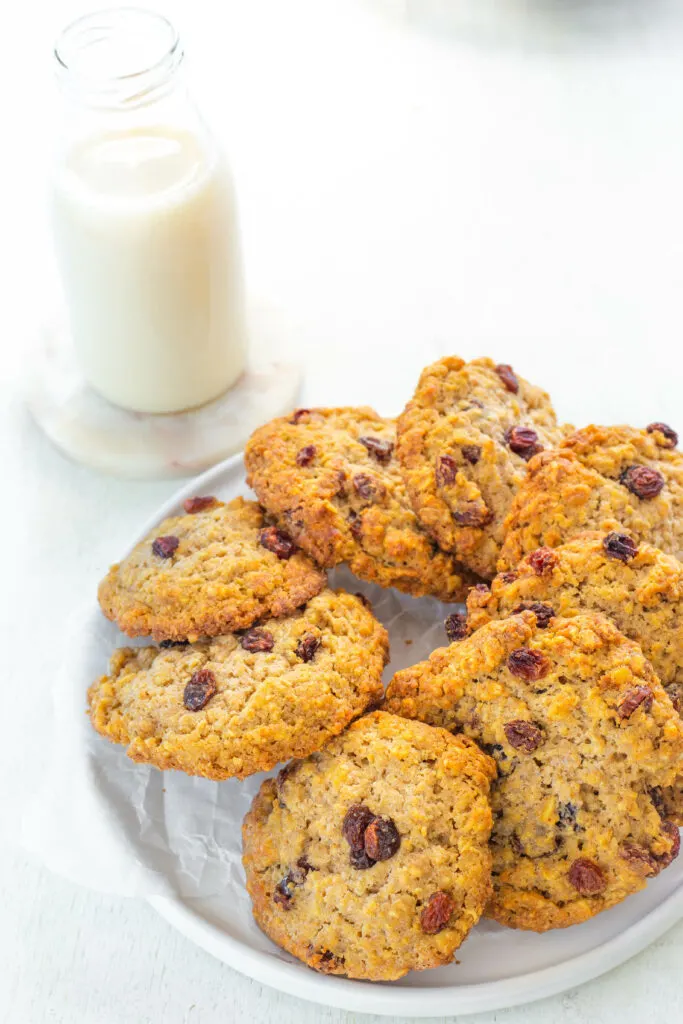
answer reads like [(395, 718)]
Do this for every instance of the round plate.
[(498, 967)]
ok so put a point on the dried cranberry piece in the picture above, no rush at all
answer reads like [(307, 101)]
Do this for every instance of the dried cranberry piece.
[(200, 689), (277, 541), (379, 449), (667, 432), (508, 577), (471, 453), (165, 547), (456, 626), (523, 441), (671, 830), (473, 515), (638, 858), (643, 481), (618, 545), (437, 913), (543, 612), (587, 877), (507, 375), (298, 414), (382, 839), (355, 822), (528, 664), (307, 646), (481, 588), (543, 561), (306, 455), (446, 470), (257, 640), (523, 735), (165, 644), (364, 486), (194, 505), (633, 699)]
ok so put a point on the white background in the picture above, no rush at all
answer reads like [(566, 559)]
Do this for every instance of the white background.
[(407, 189)]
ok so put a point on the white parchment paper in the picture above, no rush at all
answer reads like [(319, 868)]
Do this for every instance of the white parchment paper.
[(103, 821)]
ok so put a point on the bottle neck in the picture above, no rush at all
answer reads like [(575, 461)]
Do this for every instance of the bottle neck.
[(118, 60)]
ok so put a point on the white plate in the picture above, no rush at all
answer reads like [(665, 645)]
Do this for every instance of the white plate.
[(498, 967)]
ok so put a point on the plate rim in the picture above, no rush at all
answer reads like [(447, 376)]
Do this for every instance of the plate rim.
[(383, 998)]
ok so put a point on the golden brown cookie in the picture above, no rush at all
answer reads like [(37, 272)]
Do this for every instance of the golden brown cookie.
[(239, 704), (331, 478), (600, 478), (463, 444), (216, 569), (583, 735), (371, 858)]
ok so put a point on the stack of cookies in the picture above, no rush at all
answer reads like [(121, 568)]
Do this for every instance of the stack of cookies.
[(531, 771)]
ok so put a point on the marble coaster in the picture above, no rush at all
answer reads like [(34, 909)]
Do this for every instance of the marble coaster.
[(90, 430)]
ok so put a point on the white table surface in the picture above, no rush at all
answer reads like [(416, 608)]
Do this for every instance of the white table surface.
[(405, 193)]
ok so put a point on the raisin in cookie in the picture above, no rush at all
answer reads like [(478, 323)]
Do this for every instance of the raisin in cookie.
[(216, 569), (463, 444), (331, 478), (600, 478), (235, 705), (371, 858), (583, 735)]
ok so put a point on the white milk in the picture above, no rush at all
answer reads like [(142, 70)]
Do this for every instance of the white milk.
[(148, 250)]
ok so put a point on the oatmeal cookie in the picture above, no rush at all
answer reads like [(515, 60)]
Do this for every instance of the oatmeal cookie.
[(583, 735), (216, 569), (238, 704), (371, 858), (331, 478), (600, 478), (463, 444)]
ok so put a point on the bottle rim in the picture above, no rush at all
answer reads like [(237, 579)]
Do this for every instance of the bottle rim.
[(117, 57)]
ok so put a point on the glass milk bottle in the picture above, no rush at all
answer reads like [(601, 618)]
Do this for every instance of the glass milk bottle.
[(145, 225)]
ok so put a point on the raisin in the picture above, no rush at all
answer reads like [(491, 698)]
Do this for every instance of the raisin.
[(473, 515), (446, 470), (644, 482), (193, 505), (356, 525), (328, 962), (307, 646), (633, 699), (527, 664), (355, 822), (657, 798), (523, 441), (506, 374), (165, 547), (298, 414), (379, 449), (200, 689), (359, 860), (437, 913), (471, 453), (523, 735), (381, 839), (675, 694), (543, 561), (165, 644), (543, 612), (277, 541), (516, 844), (566, 817), (306, 455), (456, 626), (508, 577), (587, 877), (257, 640), (282, 895), (672, 832), (363, 599), (638, 858), (667, 432), (481, 588), (364, 486), (618, 545)]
